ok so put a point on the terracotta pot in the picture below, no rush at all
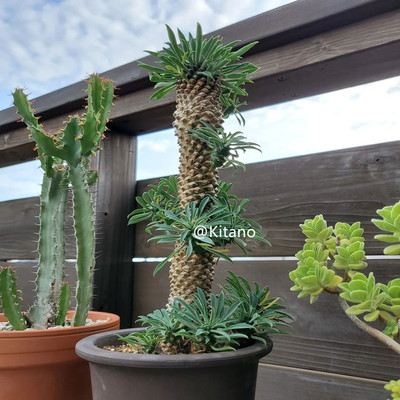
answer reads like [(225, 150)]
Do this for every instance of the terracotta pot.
[(214, 376), (42, 364)]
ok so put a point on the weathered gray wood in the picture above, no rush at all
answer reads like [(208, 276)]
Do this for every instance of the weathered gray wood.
[(26, 275), (322, 337), (19, 229), (275, 28), (281, 383), (349, 55), (115, 242), (345, 185)]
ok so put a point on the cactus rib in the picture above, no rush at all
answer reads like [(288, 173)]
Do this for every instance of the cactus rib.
[(65, 297), (84, 231), (51, 250)]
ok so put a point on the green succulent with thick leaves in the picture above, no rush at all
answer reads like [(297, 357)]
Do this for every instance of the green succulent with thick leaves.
[(202, 57), (390, 222), (394, 387), (312, 250), (349, 234), (350, 256), (392, 299), (391, 329), (311, 279), (367, 295), (316, 230)]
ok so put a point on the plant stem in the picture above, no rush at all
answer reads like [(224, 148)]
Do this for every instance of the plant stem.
[(84, 231), (51, 251), (392, 344), (331, 291)]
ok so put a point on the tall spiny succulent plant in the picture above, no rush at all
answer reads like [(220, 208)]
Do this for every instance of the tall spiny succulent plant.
[(207, 76), (65, 160)]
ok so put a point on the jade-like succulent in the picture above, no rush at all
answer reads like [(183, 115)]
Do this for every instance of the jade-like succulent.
[(312, 250), (65, 160), (316, 230), (365, 293), (350, 256), (348, 234), (390, 222), (343, 249), (392, 299), (312, 278), (394, 387)]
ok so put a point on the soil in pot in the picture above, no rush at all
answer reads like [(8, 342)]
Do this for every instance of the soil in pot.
[(213, 376), (42, 364)]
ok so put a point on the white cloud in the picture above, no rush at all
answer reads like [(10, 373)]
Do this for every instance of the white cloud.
[(51, 44), (21, 180)]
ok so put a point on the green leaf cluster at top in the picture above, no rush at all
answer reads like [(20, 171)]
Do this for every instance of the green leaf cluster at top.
[(203, 57), (236, 317), (221, 216)]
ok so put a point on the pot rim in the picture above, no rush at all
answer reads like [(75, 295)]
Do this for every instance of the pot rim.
[(95, 315), (89, 350)]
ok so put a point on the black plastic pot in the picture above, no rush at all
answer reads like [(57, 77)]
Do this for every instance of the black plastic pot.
[(215, 376)]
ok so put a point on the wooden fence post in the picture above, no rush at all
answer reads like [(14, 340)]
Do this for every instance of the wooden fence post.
[(114, 194)]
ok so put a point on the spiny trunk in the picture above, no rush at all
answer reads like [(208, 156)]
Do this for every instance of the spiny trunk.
[(197, 101)]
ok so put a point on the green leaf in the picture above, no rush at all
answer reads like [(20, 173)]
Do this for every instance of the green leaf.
[(162, 263)]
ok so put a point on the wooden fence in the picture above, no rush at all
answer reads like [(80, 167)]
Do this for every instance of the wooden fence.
[(307, 47)]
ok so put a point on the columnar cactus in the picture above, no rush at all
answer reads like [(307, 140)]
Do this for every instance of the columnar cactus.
[(65, 160), (208, 79)]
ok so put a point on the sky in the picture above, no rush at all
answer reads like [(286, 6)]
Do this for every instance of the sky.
[(49, 44)]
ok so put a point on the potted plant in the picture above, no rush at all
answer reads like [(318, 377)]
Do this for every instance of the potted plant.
[(37, 362), (331, 261), (201, 345)]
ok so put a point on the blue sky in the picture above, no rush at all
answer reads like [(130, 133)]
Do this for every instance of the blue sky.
[(50, 44)]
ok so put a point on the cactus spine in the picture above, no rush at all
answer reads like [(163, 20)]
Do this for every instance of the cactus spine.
[(10, 300), (65, 159)]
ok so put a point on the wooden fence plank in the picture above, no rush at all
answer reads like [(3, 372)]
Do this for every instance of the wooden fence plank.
[(26, 275), (322, 338), (281, 383), (345, 185), (19, 229)]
